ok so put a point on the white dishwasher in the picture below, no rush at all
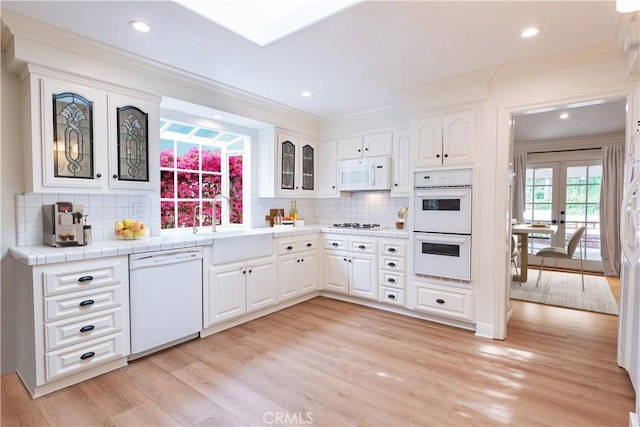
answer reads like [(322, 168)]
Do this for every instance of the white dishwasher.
[(165, 298)]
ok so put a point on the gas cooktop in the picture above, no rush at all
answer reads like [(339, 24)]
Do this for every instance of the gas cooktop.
[(356, 225)]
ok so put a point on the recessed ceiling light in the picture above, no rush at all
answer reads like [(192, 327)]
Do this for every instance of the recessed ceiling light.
[(217, 116), (529, 32), (140, 26), (306, 94), (626, 6), (564, 116)]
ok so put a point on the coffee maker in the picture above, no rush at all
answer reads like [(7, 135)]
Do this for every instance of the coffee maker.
[(62, 225)]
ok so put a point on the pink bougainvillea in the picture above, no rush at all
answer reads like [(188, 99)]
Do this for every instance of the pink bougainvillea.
[(190, 183)]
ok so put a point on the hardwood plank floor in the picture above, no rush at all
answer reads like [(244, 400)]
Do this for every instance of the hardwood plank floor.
[(330, 363)]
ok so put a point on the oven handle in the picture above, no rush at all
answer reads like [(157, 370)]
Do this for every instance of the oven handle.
[(440, 239), (444, 194)]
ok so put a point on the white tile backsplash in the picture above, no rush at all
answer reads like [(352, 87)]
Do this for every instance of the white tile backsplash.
[(102, 210)]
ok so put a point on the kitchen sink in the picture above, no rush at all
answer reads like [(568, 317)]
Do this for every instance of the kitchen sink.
[(239, 245)]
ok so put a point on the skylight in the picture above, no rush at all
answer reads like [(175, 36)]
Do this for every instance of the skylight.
[(265, 21)]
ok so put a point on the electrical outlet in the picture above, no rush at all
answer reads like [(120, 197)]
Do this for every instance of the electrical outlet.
[(139, 210)]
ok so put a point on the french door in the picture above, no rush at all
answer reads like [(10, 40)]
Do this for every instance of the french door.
[(565, 194)]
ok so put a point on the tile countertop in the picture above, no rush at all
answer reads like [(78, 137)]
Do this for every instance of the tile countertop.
[(42, 254)]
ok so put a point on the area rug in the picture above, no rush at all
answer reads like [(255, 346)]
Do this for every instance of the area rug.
[(565, 290)]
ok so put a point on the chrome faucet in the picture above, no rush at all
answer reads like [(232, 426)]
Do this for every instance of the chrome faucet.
[(215, 199), (195, 224)]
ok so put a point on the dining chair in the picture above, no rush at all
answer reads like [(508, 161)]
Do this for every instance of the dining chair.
[(564, 253), (515, 251)]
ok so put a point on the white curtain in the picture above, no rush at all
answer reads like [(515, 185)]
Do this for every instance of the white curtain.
[(520, 171), (610, 200)]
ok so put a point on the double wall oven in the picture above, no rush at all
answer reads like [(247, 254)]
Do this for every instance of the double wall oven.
[(442, 223)]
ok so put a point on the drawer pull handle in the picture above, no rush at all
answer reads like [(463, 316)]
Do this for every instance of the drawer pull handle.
[(440, 301), (392, 249), (289, 248), (87, 328), (334, 244), (309, 245), (85, 279), (391, 280), (86, 302), (391, 296), (87, 355), (392, 264), (362, 247)]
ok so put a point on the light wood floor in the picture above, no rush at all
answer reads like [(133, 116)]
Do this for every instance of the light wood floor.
[(331, 363)]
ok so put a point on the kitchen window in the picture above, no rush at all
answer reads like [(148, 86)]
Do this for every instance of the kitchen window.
[(197, 164)]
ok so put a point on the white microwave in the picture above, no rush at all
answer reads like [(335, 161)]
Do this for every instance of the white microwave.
[(373, 173)]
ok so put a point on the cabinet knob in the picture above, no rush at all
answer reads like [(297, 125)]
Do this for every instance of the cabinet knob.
[(362, 247), (392, 264), (391, 296), (359, 150), (334, 244), (309, 245), (392, 249), (98, 175), (289, 248), (391, 280), (440, 301), (345, 259), (302, 260), (437, 156), (446, 155), (395, 185), (115, 176), (366, 149), (333, 187), (250, 271), (298, 260), (244, 271)]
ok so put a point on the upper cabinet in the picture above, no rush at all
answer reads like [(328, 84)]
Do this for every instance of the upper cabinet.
[(446, 140), (287, 164), (402, 183), (89, 136), (328, 169), (369, 145)]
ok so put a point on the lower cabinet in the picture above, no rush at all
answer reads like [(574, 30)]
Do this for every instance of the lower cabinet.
[(352, 270), (297, 266), (240, 287), (444, 301), (73, 323)]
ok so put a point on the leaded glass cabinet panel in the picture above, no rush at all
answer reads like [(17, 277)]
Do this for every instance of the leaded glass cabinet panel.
[(307, 167), (133, 144), (72, 136), (288, 166)]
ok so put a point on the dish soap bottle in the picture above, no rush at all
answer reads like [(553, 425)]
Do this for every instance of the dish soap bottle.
[(293, 212)]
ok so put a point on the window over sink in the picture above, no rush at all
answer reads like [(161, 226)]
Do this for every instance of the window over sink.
[(196, 164)]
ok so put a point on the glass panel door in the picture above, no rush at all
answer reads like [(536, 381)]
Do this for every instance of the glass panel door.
[(565, 194)]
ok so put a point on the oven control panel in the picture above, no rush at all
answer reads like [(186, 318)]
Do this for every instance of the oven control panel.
[(443, 178)]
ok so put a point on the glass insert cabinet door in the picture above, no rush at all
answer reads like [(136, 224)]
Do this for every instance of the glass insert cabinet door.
[(73, 136), (307, 167), (288, 171), (133, 144)]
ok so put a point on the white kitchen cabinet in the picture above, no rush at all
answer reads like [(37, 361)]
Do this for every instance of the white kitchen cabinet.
[(350, 266), (328, 169), (297, 266), (368, 145), (240, 287), (392, 272), (446, 301), (73, 322), (401, 168), (446, 140), (287, 164), (85, 145)]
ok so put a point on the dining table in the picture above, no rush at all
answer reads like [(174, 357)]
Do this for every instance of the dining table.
[(523, 231)]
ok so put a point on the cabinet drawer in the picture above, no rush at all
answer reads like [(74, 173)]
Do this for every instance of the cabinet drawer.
[(83, 328), (67, 305), (393, 248), (79, 278), (394, 280), (392, 296), (392, 264), (362, 246), (308, 243), (288, 246), (450, 303), (69, 360), (335, 243)]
